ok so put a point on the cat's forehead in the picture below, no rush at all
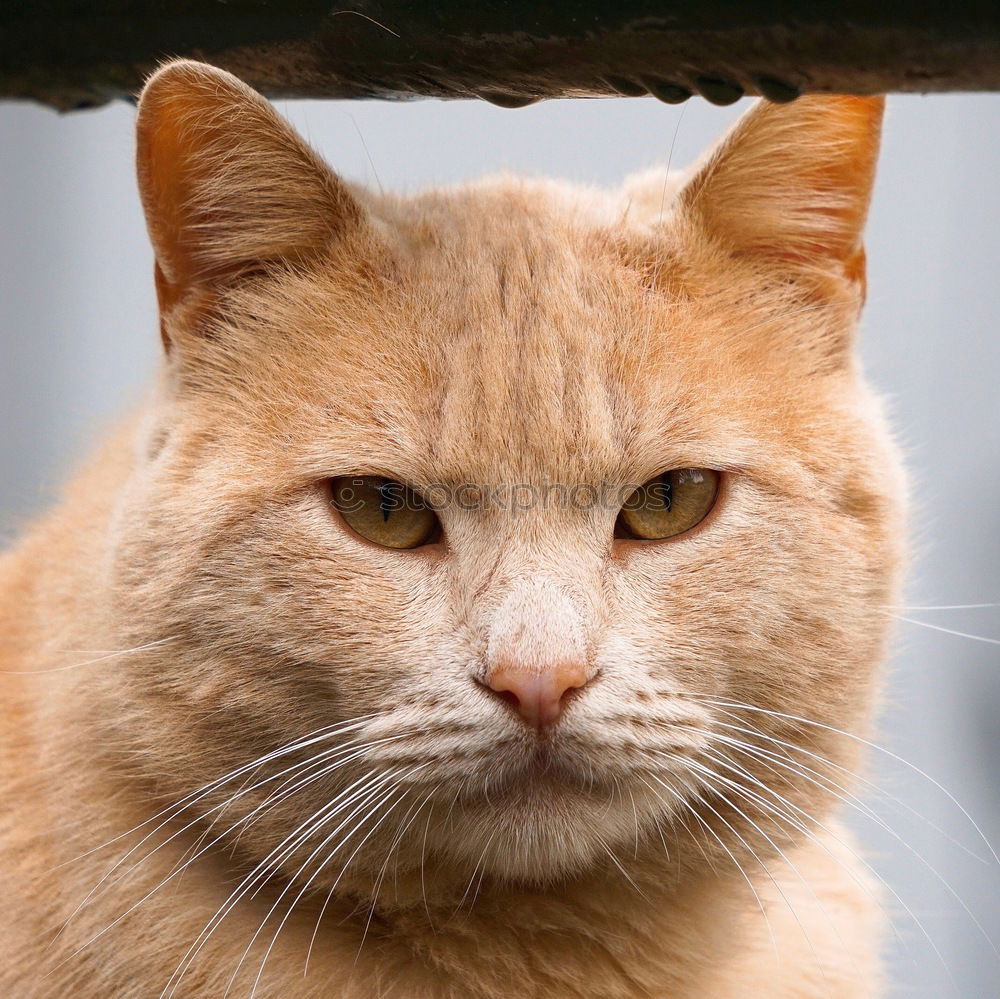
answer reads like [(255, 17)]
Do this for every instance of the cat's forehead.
[(531, 332), (553, 339), (520, 323), (517, 335)]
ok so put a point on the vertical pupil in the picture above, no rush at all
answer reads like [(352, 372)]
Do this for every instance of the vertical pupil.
[(385, 500), (663, 491)]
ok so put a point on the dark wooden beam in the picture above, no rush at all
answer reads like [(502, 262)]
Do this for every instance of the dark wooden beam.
[(511, 52)]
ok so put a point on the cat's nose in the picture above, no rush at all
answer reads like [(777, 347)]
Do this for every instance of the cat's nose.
[(538, 696)]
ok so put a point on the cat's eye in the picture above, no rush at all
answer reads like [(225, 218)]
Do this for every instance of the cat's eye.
[(668, 505), (384, 511)]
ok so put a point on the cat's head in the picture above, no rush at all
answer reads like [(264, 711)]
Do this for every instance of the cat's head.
[(528, 677)]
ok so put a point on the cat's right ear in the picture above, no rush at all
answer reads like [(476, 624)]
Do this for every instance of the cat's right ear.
[(226, 184)]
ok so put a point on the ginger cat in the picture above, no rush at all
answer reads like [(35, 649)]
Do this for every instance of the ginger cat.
[(472, 610)]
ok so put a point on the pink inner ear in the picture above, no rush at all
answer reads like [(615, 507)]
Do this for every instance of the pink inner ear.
[(193, 121), (161, 161)]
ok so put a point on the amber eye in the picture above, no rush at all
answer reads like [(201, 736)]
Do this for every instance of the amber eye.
[(669, 505), (384, 511)]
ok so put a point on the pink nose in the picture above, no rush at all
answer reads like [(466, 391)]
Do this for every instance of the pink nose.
[(538, 696)]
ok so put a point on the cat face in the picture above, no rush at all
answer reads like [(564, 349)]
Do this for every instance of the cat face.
[(530, 688)]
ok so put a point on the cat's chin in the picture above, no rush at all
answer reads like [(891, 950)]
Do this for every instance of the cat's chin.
[(534, 831)]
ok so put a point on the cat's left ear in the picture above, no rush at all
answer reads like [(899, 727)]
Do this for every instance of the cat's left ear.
[(792, 183), (226, 184)]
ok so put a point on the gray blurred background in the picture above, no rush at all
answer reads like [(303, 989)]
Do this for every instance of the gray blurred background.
[(78, 340)]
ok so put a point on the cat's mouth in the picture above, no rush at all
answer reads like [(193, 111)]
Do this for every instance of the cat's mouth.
[(544, 768), (544, 813), (543, 762)]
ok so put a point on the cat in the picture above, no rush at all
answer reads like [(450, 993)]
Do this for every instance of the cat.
[(475, 606)]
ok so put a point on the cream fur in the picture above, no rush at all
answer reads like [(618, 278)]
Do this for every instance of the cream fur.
[(503, 332)]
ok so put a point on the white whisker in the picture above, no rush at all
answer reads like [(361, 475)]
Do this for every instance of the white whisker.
[(708, 778), (691, 810), (172, 811), (936, 607), (948, 631), (869, 744), (260, 873), (784, 814), (386, 796), (101, 657)]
